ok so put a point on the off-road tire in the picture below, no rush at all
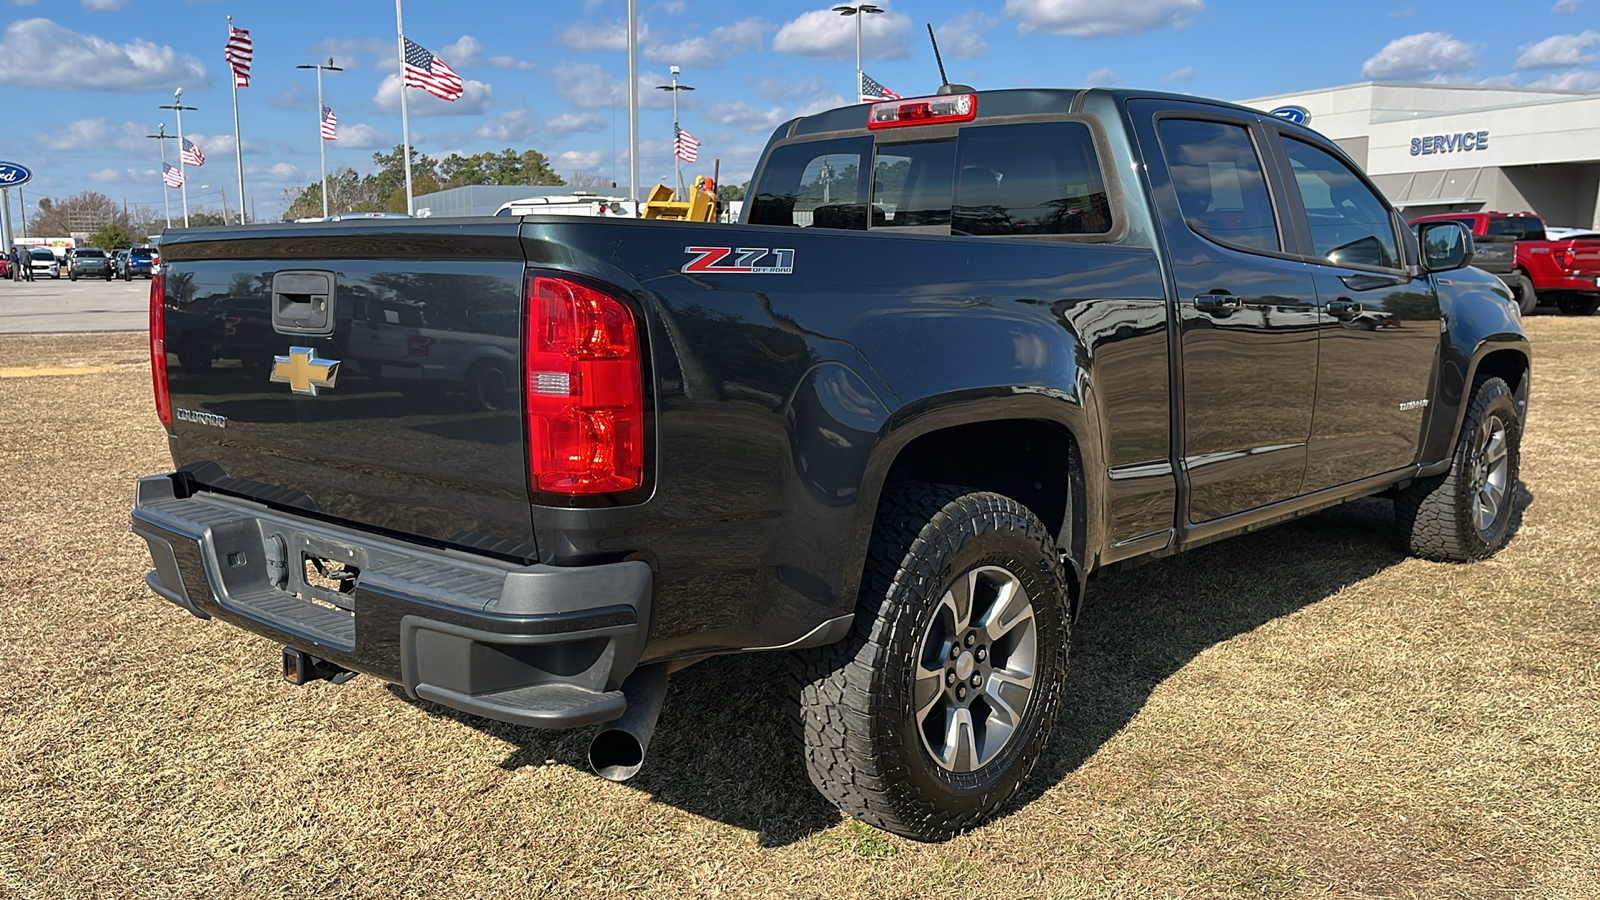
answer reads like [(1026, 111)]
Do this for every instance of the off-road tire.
[(1436, 514), (863, 747), (1522, 292)]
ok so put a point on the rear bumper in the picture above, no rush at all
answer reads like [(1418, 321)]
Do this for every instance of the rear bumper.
[(1585, 284), (537, 645)]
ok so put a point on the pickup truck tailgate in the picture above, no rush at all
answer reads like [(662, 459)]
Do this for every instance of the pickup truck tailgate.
[(364, 372)]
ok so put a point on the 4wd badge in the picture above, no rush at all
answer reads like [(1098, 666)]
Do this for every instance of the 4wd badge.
[(739, 261)]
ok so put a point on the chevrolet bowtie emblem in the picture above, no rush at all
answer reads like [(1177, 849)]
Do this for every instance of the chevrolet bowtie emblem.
[(303, 371)]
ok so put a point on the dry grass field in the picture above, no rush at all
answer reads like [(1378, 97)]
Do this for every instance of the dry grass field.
[(1303, 712)]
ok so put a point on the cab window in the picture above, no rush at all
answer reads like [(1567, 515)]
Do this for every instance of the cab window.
[(816, 184), (1218, 178), (911, 184), (1030, 178), (1350, 225)]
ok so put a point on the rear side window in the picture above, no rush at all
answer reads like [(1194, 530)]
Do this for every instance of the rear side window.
[(814, 184), (1030, 178), (1523, 228), (1221, 189)]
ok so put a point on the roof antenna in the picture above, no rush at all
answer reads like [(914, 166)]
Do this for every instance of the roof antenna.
[(945, 87)]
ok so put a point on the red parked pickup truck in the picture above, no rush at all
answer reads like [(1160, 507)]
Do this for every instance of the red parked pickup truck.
[(1562, 273)]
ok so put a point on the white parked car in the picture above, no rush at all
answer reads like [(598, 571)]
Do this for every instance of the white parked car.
[(44, 262), (1571, 234), (577, 203)]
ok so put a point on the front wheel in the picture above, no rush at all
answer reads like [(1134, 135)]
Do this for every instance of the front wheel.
[(1465, 514), (927, 717)]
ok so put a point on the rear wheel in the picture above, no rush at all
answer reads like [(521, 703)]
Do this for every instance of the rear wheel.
[(1522, 292), (1579, 304), (925, 720), (1465, 514)]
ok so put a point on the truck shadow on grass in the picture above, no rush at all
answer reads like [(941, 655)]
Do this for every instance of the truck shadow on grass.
[(726, 746)]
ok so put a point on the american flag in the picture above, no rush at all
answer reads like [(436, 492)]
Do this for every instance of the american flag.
[(871, 90), (429, 72), (172, 175), (238, 53), (191, 154), (329, 120), (686, 146)]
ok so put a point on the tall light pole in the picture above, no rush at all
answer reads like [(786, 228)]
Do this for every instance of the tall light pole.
[(178, 107), (633, 104), (322, 144), (675, 87), (860, 11), (166, 196)]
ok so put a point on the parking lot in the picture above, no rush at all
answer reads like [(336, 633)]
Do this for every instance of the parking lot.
[(1301, 712), (56, 306)]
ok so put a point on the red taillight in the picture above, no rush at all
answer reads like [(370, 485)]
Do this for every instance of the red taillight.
[(582, 374), (1565, 257), (158, 347), (923, 111)]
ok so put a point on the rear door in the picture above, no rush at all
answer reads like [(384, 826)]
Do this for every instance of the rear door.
[(1378, 326), (1247, 307)]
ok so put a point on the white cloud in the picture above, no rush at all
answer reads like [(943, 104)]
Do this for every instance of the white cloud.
[(1570, 81), (103, 5), (1404, 12), (818, 104), (345, 51), (962, 37), (1098, 19), (1560, 51), (609, 36), (1183, 74), (476, 98), (1565, 7), (361, 136), (572, 123), (707, 52), (1415, 55), (280, 172), (746, 118), (825, 34), (779, 90), (99, 134), (671, 7), (578, 161), (510, 62), (106, 176), (511, 125), (466, 51), (38, 53), (588, 86), (1100, 78)]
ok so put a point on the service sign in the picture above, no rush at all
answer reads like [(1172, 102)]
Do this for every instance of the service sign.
[(13, 175), (1296, 114)]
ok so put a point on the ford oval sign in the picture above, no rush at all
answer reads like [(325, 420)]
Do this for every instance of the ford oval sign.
[(13, 175), (1296, 114)]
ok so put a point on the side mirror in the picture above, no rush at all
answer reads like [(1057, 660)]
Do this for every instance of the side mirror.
[(1446, 246)]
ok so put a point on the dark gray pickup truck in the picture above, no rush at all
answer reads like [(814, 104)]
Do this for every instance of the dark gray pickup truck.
[(963, 351)]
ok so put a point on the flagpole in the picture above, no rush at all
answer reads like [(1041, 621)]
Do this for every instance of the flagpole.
[(322, 145), (405, 114), (633, 103), (183, 186), (166, 192), (238, 145)]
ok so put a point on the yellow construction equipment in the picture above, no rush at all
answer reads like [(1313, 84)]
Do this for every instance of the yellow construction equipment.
[(700, 207)]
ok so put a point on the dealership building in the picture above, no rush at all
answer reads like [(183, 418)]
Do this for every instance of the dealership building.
[(1446, 148)]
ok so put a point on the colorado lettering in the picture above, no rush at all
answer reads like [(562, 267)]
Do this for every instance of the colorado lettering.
[(1428, 145)]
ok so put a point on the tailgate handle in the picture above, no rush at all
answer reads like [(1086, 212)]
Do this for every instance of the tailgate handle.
[(302, 302)]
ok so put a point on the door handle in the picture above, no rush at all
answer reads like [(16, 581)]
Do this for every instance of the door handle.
[(1344, 307), (1218, 302)]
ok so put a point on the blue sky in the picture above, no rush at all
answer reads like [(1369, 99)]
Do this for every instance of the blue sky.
[(549, 75)]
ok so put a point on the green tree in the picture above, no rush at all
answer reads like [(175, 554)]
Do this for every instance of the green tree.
[(505, 167), (111, 237), (726, 192)]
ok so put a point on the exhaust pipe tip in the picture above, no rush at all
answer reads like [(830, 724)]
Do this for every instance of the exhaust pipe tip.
[(617, 752), (616, 755)]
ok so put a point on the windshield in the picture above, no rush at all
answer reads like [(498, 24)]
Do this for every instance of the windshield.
[(41, 254), (95, 254)]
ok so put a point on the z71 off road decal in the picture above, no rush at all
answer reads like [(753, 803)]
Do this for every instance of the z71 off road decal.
[(739, 261)]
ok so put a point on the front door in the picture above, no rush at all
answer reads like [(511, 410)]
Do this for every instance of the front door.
[(1379, 326), (1247, 308)]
